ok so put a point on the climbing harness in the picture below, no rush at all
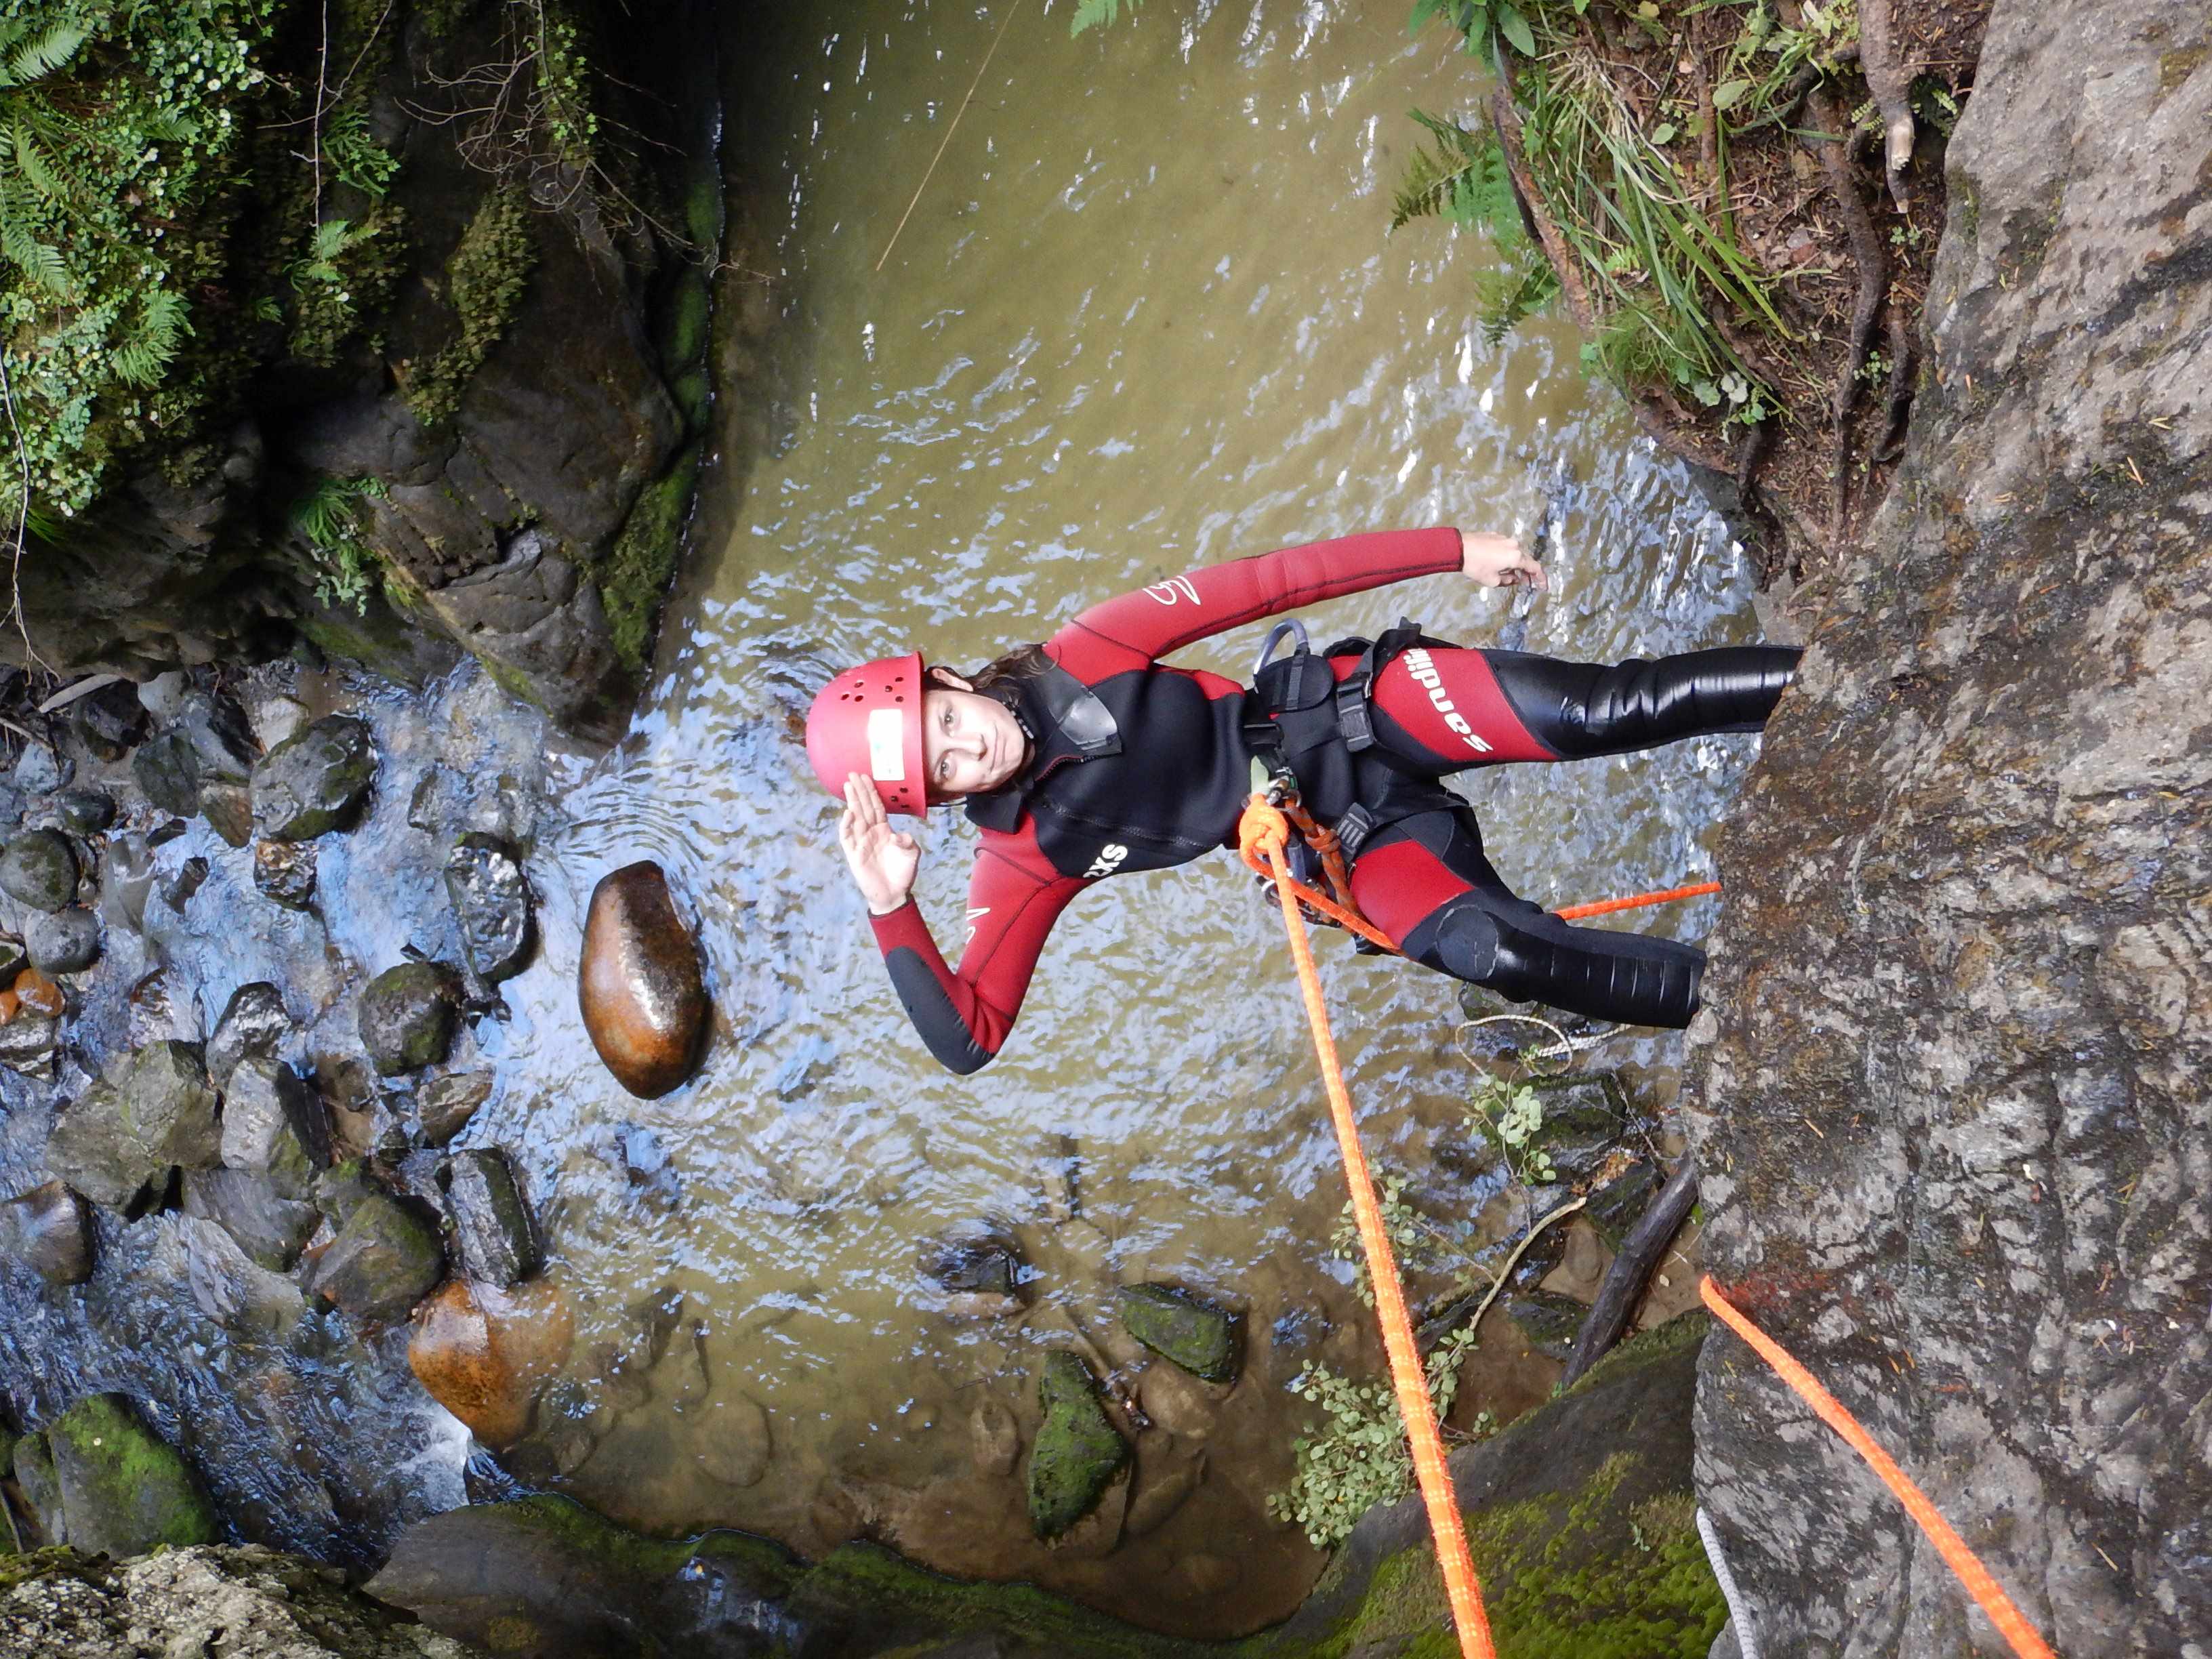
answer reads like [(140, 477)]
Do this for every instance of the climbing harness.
[(1262, 835), (2011, 1623)]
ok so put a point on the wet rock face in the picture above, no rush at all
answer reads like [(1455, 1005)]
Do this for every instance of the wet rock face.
[(1201, 1338), (313, 781), (38, 869), (254, 1022), (270, 1228), (66, 942), (152, 1110), (491, 903), (445, 1104), (492, 1228), (49, 1229), (408, 1015), (1078, 1451), (642, 995), (1953, 1120), (384, 1260), (284, 872)]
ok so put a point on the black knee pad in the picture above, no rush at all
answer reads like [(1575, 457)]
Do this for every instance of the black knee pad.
[(1529, 955)]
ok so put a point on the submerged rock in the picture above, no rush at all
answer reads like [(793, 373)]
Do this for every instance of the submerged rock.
[(492, 1228), (482, 1352), (313, 781), (641, 990), (491, 904), (445, 1104), (38, 869), (1198, 1335), (1078, 1451), (150, 1111), (407, 1015), (739, 1442), (982, 1274), (996, 1436), (66, 942), (49, 1230), (284, 872), (384, 1260), (124, 1489), (270, 1228)]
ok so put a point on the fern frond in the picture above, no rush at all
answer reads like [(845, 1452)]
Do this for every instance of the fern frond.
[(44, 54), (139, 358), (41, 261), (1508, 296), (1092, 14)]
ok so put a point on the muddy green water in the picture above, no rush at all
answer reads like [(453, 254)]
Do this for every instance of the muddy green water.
[(1145, 317)]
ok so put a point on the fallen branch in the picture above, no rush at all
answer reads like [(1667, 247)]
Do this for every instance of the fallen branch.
[(1900, 386), (1640, 1252), (1874, 280)]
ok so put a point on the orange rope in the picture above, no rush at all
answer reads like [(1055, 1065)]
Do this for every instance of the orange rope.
[(1606, 907), (1261, 835), (2011, 1624)]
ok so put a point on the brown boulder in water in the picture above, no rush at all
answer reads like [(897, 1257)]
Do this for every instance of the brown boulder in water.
[(643, 998), (482, 1352)]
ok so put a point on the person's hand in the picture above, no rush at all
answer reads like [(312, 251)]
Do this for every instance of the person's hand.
[(1498, 562), (883, 860)]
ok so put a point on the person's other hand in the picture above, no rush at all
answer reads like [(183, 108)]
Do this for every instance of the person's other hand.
[(1498, 562), (883, 860)]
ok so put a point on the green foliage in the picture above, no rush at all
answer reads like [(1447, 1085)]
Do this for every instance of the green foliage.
[(491, 266), (354, 155), (329, 519), (1092, 14), (1465, 180), (1492, 26), (1511, 1113), (120, 125)]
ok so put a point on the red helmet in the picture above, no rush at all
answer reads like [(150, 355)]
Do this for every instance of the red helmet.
[(868, 720)]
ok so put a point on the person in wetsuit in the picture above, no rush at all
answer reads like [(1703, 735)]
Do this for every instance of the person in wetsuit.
[(1088, 757)]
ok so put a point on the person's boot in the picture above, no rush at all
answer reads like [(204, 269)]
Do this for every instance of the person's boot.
[(1641, 703)]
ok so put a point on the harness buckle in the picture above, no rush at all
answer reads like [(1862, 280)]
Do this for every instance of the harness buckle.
[(1352, 830)]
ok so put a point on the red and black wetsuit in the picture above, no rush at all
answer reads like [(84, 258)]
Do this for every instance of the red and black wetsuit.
[(1137, 766)]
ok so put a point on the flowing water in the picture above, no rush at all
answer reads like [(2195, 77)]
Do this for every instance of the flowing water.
[(1145, 317)]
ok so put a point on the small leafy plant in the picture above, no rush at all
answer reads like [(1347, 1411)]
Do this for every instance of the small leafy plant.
[(329, 519), (1511, 1113)]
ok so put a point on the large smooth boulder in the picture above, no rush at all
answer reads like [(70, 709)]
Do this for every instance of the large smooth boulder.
[(123, 1489), (313, 781), (1197, 1334), (641, 988), (1078, 1451), (38, 869), (49, 1229), (385, 1260), (482, 1352), (407, 1015), (150, 1111)]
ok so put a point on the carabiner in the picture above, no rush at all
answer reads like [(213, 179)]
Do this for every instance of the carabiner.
[(1275, 635)]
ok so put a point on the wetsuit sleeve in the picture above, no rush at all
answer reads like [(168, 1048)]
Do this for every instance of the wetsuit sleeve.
[(1153, 621), (964, 1016)]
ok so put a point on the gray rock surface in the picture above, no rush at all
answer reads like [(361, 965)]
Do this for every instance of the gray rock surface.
[(491, 904), (65, 942), (49, 1230), (493, 1233), (384, 1260), (270, 1228), (243, 1603), (38, 869), (274, 1125), (407, 1015), (151, 1110), (445, 1104), (254, 1022), (1953, 1124)]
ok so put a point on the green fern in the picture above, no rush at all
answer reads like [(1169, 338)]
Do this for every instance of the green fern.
[(41, 55), (1094, 13), (1464, 179), (139, 356)]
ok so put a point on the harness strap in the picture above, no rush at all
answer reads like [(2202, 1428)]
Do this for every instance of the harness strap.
[(1355, 714)]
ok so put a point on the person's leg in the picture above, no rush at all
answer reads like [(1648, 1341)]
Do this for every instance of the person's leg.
[(1425, 882), (1454, 706)]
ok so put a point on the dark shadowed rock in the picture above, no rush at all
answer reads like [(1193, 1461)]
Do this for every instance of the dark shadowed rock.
[(167, 773), (482, 1352), (192, 876), (284, 872), (150, 1111), (1078, 1451), (313, 781), (65, 942), (49, 1229), (38, 869), (272, 1229), (254, 1022), (79, 812), (215, 730), (407, 1015), (980, 1271), (492, 1229), (34, 1470), (273, 1124), (111, 720), (445, 1104), (491, 904), (643, 997), (1196, 1335), (384, 1260), (124, 1489)]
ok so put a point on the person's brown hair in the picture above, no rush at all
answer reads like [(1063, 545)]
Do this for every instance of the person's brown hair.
[(1005, 673)]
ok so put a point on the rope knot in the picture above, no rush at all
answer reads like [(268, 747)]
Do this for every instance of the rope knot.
[(1261, 833)]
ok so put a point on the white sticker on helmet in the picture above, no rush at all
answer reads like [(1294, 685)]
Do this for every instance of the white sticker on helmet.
[(886, 752)]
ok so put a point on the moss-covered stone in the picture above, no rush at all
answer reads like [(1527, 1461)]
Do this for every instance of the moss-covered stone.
[(407, 1015), (633, 577), (1078, 1451), (1201, 1338), (484, 281), (313, 781), (125, 1490), (384, 1260)]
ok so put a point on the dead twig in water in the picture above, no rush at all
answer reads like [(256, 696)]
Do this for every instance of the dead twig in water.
[(1641, 1251), (1505, 1273), (949, 131)]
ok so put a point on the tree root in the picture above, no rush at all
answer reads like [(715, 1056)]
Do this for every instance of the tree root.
[(1899, 391), (1889, 80), (1874, 283)]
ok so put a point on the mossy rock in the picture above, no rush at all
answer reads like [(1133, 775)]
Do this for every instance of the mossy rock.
[(1196, 1335), (313, 782), (123, 1489), (1078, 1451), (407, 1015)]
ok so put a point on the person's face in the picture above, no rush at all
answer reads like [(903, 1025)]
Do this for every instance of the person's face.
[(970, 743)]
